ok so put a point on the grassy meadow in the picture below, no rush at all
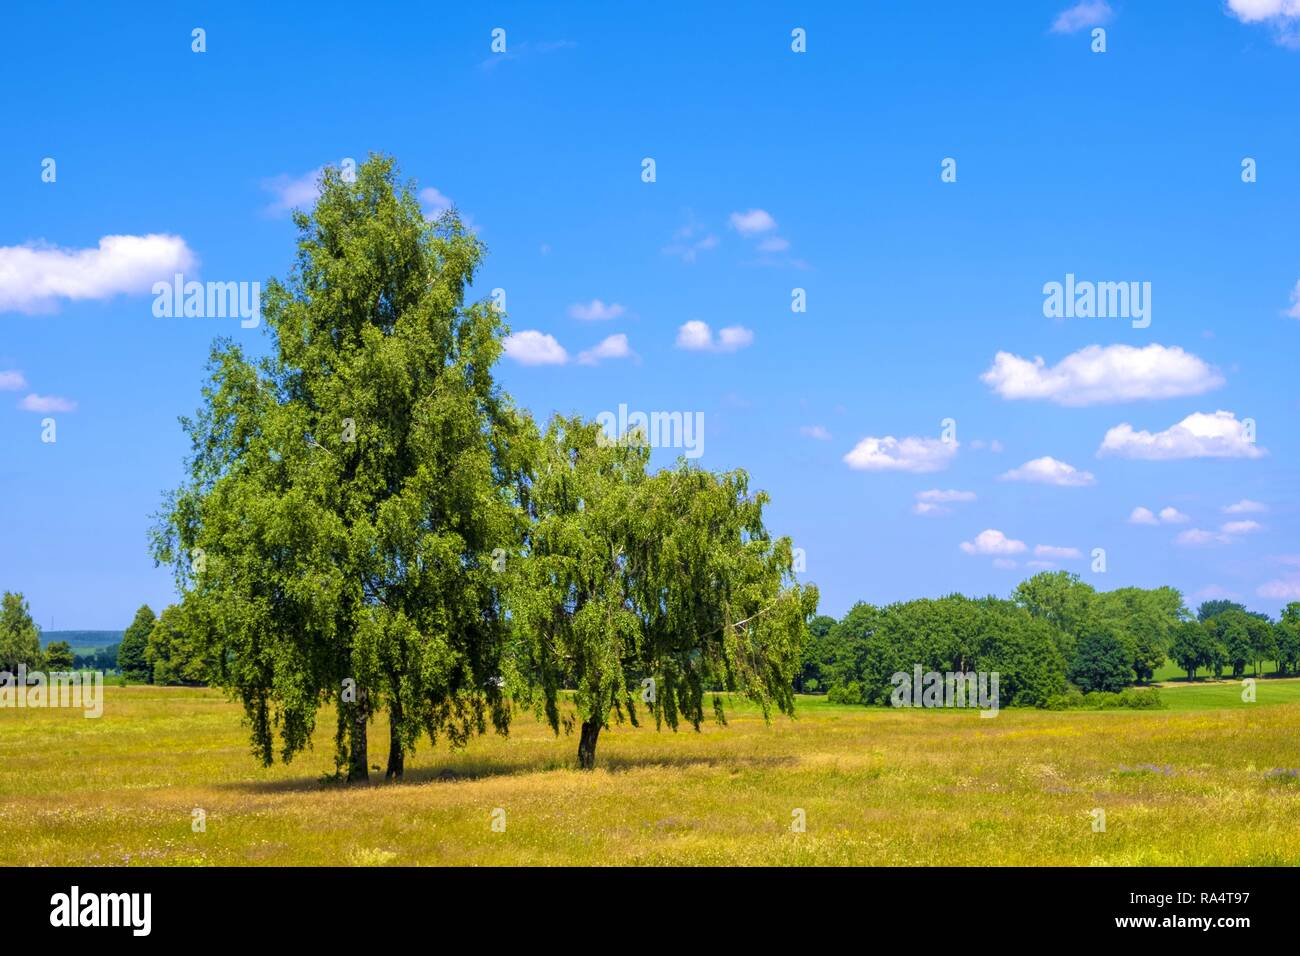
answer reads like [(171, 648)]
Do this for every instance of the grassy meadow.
[(1201, 782)]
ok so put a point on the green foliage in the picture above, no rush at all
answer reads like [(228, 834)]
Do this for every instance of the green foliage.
[(649, 589), (1209, 609), (101, 659), (846, 646), (173, 655), (850, 693), (1143, 621), (59, 657), (951, 634), (20, 637), (131, 659), (1263, 640), (336, 537), (1193, 647), (1062, 600), (812, 676), (1130, 698), (1101, 662), (1287, 638), (1232, 632)]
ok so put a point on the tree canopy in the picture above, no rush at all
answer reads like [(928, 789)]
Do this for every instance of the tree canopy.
[(20, 638), (131, 659), (368, 522), (649, 589), (346, 493)]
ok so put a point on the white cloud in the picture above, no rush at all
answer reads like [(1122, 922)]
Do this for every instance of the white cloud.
[(686, 246), (753, 222), (933, 503), (1172, 515), (534, 348), (774, 244), (1213, 592), (734, 337), (1199, 435), (47, 403), (992, 541), (1282, 15), (815, 431), (596, 311), (1252, 11), (1194, 537), (1142, 515), (909, 454), (34, 277), (935, 494), (434, 202), (1245, 506), (1098, 375), (12, 381), (696, 336), (1051, 551), (613, 347), (1281, 589), (293, 192), (1169, 515), (1226, 534), (1294, 311), (1049, 471), (1086, 13), (1241, 527)]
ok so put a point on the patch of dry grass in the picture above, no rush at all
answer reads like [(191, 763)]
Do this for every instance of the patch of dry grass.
[(877, 787)]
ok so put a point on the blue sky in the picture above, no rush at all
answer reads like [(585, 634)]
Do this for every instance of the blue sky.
[(775, 170)]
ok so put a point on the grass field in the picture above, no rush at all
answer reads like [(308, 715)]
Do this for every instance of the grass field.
[(1170, 671), (1203, 782)]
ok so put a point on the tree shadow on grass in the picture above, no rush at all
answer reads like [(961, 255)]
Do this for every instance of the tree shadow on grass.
[(458, 770)]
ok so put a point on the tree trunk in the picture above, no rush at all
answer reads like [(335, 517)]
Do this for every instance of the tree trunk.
[(587, 744), (396, 758), (358, 756)]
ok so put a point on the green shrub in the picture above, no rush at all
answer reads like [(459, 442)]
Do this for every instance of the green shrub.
[(1130, 698), (850, 693)]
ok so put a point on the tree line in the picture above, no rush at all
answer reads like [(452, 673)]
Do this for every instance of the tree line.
[(152, 650), (1054, 633), (369, 522)]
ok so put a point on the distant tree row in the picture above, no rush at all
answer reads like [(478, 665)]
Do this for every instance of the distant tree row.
[(161, 650), (1055, 632), (1227, 636), (152, 650)]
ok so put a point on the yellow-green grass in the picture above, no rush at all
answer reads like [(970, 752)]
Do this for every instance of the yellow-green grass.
[(877, 786)]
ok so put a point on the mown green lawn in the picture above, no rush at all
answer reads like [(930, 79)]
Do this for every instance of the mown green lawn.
[(1170, 671), (1209, 781), (1228, 694)]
